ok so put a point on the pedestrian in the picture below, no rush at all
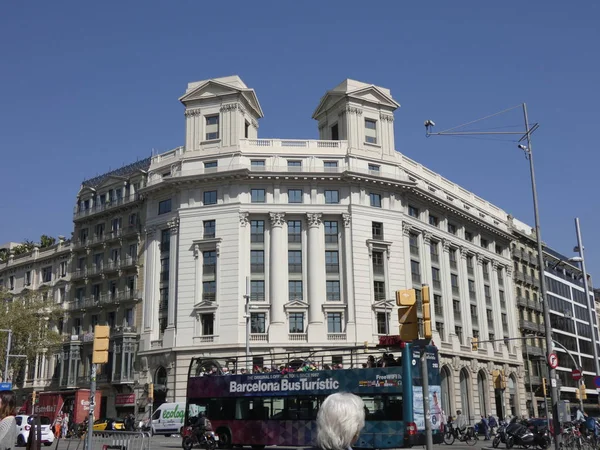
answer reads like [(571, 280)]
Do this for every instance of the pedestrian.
[(493, 423), (65, 425), (8, 424), (340, 421), (485, 427)]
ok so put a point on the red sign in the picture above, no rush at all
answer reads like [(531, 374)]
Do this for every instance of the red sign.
[(125, 399), (576, 374), (553, 360)]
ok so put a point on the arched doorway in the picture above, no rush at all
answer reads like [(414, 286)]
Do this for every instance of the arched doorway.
[(160, 386), (465, 393), (512, 396), (482, 391), (446, 382)]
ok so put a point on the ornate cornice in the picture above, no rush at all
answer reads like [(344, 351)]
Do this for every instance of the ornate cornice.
[(277, 219), (230, 107), (244, 218), (354, 110), (347, 218), (314, 219), (193, 112), (386, 117)]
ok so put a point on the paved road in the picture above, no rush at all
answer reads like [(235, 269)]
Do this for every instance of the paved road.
[(174, 442)]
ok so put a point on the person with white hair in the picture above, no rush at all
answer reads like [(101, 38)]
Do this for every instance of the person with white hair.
[(339, 421)]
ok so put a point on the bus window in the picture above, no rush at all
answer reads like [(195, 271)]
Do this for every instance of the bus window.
[(383, 407)]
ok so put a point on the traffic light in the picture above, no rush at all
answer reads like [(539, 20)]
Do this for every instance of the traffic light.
[(407, 314), (426, 312), (101, 341), (475, 344), (582, 392), (34, 398), (544, 387), (151, 392)]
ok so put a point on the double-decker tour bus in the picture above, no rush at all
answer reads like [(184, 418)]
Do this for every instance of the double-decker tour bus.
[(275, 399)]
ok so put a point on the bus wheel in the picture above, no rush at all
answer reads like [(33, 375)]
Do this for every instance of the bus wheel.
[(224, 438)]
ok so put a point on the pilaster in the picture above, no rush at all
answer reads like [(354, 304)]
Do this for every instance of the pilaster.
[(348, 279), (278, 277), (169, 335), (316, 277)]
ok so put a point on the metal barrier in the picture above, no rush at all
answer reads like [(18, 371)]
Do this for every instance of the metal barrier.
[(109, 440)]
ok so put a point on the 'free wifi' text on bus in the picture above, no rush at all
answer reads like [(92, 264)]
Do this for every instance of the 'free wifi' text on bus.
[(279, 406)]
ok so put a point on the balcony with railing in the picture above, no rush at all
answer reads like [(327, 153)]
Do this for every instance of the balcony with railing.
[(533, 351), (79, 212), (298, 337), (259, 337), (336, 336), (124, 331), (528, 325)]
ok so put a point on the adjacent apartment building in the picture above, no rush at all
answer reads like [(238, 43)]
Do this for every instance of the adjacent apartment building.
[(569, 316), (323, 232)]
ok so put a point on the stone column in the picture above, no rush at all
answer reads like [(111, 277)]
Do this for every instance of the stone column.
[(496, 305), (277, 269), (150, 322), (406, 229), (509, 297), (465, 299), (316, 268), (481, 306), (348, 279), (169, 335), (447, 290), (426, 275)]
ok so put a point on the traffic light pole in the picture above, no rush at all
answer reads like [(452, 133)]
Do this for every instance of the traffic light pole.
[(90, 430), (426, 410)]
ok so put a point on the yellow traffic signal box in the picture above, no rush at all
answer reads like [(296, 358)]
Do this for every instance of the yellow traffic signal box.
[(101, 343), (426, 306), (407, 314), (474, 344)]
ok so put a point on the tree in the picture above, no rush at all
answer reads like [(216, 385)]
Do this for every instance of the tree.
[(32, 317), (46, 241)]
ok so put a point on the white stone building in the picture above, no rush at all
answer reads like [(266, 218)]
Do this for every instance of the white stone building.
[(326, 231)]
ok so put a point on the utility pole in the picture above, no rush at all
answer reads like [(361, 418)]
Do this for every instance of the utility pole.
[(9, 343), (247, 316)]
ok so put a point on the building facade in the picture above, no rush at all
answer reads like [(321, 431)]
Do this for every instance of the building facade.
[(44, 273), (107, 285), (569, 316), (323, 232)]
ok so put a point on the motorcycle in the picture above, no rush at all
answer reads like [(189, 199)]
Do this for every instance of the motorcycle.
[(208, 440), (500, 435), (518, 434)]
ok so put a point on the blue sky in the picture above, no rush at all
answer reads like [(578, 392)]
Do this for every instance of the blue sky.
[(87, 87)]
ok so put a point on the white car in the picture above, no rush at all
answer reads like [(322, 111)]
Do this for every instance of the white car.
[(25, 425)]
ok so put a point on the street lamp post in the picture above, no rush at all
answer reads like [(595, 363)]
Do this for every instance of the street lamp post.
[(526, 135), (591, 307)]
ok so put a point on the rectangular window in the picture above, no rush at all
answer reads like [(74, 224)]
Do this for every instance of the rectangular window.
[(331, 231), (165, 240), (163, 302), (164, 270), (133, 220), (382, 323), (371, 131), (294, 195), (375, 200), (415, 269), (210, 165), (28, 278), (212, 127), (294, 163), (208, 321), (379, 290), (459, 333), (485, 243), (296, 322), (209, 229), (433, 251), (257, 163), (209, 262), (330, 166), (116, 224), (257, 290), (209, 291), (436, 278), (451, 228), (62, 269), (334, 322), (469, 236), (246, 129), (377, 230), (294, 261), (332, 263), (413, 241), (295, 290), (257, 231), (210, 197), (47, 274), (413, 211), (258, 323), (378, 267), (257, 195), (433, 220), (454, 283), (99, 230), (374, 168), (332, 197), (294, 231), (332, 288), (335, 135), (164, 206), (257, 261)]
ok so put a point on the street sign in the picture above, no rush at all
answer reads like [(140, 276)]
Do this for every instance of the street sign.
[(597, 382), (5, 386), (553, 360), (576, 374)]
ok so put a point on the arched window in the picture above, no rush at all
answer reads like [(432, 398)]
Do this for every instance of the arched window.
[(482, 391), (465, 393), (512, 396), (446, 382)]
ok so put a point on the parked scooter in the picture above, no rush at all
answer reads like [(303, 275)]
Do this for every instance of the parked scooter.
[(500, 434), (518, 434)]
